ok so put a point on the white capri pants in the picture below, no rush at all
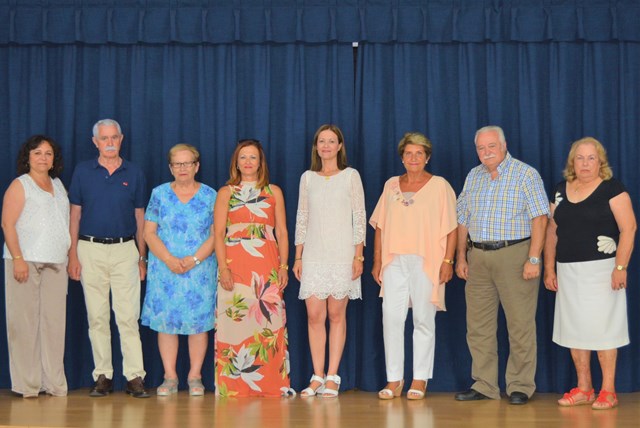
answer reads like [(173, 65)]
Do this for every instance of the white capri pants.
[(405, 284)]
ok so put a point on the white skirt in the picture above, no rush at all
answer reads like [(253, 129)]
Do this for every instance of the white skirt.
[(589, 314)]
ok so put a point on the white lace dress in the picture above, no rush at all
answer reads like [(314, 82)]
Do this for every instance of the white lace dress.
[(330, 222)]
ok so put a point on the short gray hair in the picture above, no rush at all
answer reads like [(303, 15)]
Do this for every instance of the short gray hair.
[(106, 122), (491, 128)]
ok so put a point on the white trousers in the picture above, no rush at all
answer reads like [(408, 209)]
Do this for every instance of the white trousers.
[(405, 281)]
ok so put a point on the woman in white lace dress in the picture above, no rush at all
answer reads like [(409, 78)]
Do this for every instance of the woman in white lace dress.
[(330, 234)]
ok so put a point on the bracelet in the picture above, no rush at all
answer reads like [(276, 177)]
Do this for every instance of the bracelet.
[(283, 266), (143, 259), (359, 258), (448, 261), (298, 259), (16, 257)]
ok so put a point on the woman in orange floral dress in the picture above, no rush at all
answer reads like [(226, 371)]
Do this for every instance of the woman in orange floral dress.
[(252, 358)]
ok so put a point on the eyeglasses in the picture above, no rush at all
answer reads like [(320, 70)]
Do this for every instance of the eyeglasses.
[(179, 165)]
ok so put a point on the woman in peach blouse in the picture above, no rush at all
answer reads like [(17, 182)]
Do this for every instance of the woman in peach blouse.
[(415, 240)]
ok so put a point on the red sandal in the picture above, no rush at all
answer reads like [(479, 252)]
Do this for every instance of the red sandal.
[(569, 398), (603, 401)]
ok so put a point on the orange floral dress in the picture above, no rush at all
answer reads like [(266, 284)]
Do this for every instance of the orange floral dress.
[(251, 342)]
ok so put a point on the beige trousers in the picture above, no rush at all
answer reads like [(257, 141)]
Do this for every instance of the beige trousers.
[(495, 278), (112, 269), (36, 323)]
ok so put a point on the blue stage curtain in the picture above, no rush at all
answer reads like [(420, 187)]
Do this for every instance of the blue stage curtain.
[(545, 96), (206, 95), (316, 21)]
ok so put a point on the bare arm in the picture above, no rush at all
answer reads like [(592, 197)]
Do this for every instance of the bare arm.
[(220, 214), (157, 247), (623, 212), (377, 256), (12, 207), (462, 268), (538, 233), (446, 269), (282, 236), (297, 263), (550, 278), (74, 268), (142, 245)]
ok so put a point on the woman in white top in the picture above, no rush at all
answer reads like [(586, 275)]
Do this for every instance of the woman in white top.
[(35, 222), (330, 234)]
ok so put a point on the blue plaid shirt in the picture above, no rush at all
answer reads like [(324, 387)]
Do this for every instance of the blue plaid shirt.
[(502, 209)]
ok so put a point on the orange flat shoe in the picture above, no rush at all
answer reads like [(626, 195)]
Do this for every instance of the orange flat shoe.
[(603, 402), (569, 398)]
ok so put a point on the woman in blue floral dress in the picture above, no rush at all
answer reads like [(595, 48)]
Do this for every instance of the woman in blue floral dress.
[(181, 284)]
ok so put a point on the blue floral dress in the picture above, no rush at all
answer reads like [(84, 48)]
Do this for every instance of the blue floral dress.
[(181, 303)]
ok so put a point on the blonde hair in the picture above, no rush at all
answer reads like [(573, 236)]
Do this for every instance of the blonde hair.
[(263, 171), (316, 162), (415, 138), (605, 170), (183, 147)]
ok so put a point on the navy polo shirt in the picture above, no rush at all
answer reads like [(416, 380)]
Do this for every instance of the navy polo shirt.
[(108, 201)]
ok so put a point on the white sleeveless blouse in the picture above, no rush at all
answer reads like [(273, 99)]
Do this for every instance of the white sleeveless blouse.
[(43, 225)]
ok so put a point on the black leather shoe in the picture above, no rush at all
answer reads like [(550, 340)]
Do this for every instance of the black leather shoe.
[(470, 395), (135, 388), (518, 398), (102, 387)]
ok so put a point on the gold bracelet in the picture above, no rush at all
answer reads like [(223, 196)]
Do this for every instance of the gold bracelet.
[(448, 261), (283, 266), (16, 257), (359, 258), (298, 259)]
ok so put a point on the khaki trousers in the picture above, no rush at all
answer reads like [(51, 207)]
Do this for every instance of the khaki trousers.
[(112, 269), (36, 323), (495, 278)]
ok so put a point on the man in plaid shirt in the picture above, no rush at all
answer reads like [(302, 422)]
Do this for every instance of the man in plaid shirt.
[(502, 217)]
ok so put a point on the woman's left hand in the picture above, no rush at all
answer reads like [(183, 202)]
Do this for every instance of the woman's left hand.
[(356, 269), (187, 263), (446, 272), (619, 279), (283, 278)]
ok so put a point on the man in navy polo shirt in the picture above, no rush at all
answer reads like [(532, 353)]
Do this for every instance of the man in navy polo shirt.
[(107, 254)]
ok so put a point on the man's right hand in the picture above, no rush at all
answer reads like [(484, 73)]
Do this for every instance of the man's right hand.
[(74, 269), (462, 268)]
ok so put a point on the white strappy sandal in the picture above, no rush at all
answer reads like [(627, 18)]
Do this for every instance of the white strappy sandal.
[(310, 392), (328, 392)]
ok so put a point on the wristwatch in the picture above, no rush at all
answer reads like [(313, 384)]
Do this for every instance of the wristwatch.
[(621, 267), (534, 260), (196, 260)]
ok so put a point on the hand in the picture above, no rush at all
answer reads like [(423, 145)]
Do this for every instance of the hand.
[(550, 280), (225, 279), (619, 279), (446, 272), (187, 263), (297, 269), (75, 268), (20, 270), (174, 264), (530, 271), (356, 269), (142, 266), (375, 271), (462, 268), (283, 278)]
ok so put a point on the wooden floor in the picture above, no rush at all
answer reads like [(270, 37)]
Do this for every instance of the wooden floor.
[(352, 409)]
